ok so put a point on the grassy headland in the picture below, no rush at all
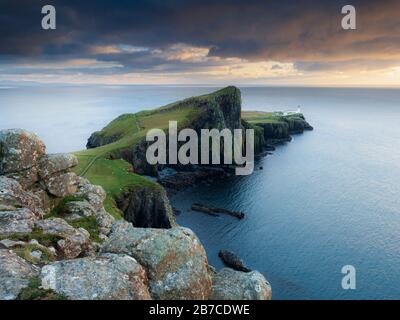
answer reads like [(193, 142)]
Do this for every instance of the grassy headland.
[(104, 163)]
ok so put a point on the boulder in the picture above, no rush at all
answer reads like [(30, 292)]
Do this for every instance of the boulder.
[(174, 259), (229, 284), (78, 209), (12, 194), (73, 242), (15, 274), (63, 185), (55, 163), (19, 221), (19, 150), (104, 221), (107, 277), (26, 178), (95, 195)]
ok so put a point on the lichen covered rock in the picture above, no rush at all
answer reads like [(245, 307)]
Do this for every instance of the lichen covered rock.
[(55, 163), (18, 221), (73, 241), (78, 209), (19, 150), (107, 277), (95, 195), (174, 259), (63, 185), (15, 273), (12, 194), (229, 284)]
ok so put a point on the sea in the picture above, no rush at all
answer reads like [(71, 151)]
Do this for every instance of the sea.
[(328, 199)]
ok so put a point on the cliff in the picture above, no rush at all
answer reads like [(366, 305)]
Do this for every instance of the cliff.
[(77, 226), (57, 241), (116, 159), (276, 127), (220, 110)]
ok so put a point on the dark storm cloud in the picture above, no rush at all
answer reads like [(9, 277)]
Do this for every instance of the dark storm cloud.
[(305, 32)]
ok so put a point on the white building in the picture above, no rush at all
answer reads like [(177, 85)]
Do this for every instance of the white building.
[(288, 113)]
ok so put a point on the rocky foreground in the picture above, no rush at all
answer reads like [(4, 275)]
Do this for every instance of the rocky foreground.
[(58, 242)]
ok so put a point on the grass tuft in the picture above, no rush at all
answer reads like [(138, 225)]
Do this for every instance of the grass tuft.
[(25, 253), (34, 292), (47, 240)]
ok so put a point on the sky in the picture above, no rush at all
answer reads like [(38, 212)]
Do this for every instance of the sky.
[(190, 42)]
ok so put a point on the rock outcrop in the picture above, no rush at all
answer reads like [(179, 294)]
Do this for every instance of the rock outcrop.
[(15, 273), (13, 196), (280, 131), (174, 259), (19, 155), (147, 207), (54, 227), (105, 277), (55, 163), (182, 180), (17, 221), (72, 242), (96, 139), (219, 110), (229, 284), (32, 223)]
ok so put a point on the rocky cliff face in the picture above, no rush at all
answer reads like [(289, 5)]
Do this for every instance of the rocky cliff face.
[(58, 242), (96, 139), (280, 131), (147, 207), (220, 110)]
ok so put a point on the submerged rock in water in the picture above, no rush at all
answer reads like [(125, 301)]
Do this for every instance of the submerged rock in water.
[(233, 261), (214, 211), (229, 284), (107, 277)]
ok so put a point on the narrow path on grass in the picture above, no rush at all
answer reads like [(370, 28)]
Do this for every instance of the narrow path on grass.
[(90, 164)]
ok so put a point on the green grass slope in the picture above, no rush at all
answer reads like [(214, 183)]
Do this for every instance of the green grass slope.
[(116, 176), (260, 117)]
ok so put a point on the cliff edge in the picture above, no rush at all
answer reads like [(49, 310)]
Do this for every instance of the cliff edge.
[(57, 241)]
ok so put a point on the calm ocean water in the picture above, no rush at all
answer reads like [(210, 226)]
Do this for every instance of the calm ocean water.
[(327, 199)]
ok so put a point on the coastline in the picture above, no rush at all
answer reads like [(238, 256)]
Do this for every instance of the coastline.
[(75, 210)]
